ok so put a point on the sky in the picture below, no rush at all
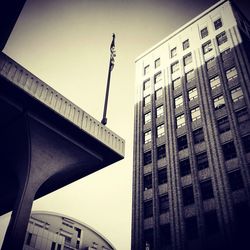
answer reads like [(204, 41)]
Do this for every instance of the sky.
[(66, 44)]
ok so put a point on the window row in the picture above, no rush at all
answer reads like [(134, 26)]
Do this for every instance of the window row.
[(161, 178), (160, 153)]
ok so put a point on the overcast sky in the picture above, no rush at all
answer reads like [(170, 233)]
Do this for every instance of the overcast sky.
[(66, 44)]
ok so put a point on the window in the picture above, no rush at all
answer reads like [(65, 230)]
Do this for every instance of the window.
[(210, 63), (223, 125), (214, 82), (217, 23), (157, 62), (237, 94), (147, 100), (147, 118), (180, 121), (231, 74), (148, 209), (225, 54), (148, 239), (242, 115), (165, 236), (59, 246), (173, 52), (160, 130), (147, 158), (195, 114), (78, 230), (146, 85), (174, 67), (184, 167), (161, 152), (163, 203), (204, 32), (178, 101), (219, 102), (187, 59), (158, 93), (146, 70), (185, 44), (28, 240), (157, 78), (211, 222), (177, 83), (53, 246), (202, 161), (182, 142), (246, 143), (162, 176), (192, 94), (147, 136), (190, 76), (235, 180), (187, 195), (147, 181), (221, 38), (159, 111), (206, 190), (198, 135), (207, 47), (229, 151), (191, 228)]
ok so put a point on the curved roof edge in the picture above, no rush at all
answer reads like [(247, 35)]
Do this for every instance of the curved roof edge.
[(73, 219)]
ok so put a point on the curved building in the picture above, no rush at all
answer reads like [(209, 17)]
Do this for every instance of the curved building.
[(53, 231)]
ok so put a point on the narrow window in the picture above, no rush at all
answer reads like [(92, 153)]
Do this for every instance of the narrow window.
[(182, 142), (231, 74), (147, 118), (157, 62), (192, 94), (210, 63), (235, 180), (229, 151), (158, 93), (198, 135), (147, 137), (237, 94), (214, 82), (160, 130), (204, 32), (148, 238), (189, 76), (219, 102), (148, 209), (146, 100), (147, 158), (161, 152), (185, 44), (184, 167), (187, 59), (147, 181), (221, 38), (217, 23), (180, 121), (162, 176), (177, 83), (173, 52), (223, 125), (163, 203), (146, 70), (178, 101), (202, 161), (159, 111), (187, 195), (157, 78), (174, 67), (53, 246), (195, 114), (207, 47), (206, 189)]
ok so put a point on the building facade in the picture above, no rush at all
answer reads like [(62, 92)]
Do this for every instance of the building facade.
[(52, 231), (191, 173)]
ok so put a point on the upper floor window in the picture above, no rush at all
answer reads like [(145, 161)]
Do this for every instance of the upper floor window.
[(235, 180), (185, 44), (173, 52), (198, 135), (229, 151), (163, 203), (160, 130), (223, 125), (147, 181), (180, 121), (187, 195), (221, 38), (246, 143), (182, 142), (192, 94), (157, 62), (195, 114), (147, 136), (206, 47), (231, 73), (147, 158), (214, 82), (210, 63), (187, 59), (158, 77), (148, 209), (158, 93), (146, 85), (161, 152), (146, 100), (217, 23), (174, 67), (146, 70), (202, 161), (206, 189), (237, 94), (190, 75), (159, 111), (204, 32), (242, 115), (162, 176), (147, 118), (219, 102), (178, 101), (184, 167), (177, 83)]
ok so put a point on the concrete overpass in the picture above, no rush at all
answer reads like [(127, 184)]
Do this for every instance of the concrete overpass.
[(46, 142)]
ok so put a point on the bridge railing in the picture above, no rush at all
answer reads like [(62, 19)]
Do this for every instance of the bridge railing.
[(31, 84)]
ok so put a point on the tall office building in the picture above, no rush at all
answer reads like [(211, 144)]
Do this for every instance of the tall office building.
[(191, 173)]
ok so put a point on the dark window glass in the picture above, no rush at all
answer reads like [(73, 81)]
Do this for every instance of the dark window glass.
[(59, 246), (148, 209), (184, 167), (217, 23), (147, 180), (204, 32), (163, 203), (165, 236), (206, 189), (223, 125), (187, 59), (198, 135), (77, 244), (53, 245), (246, 143), (221, 38), (78, 230), (210, 63), (229, 151), (235, 180), (242, 115), (211, 222), (147, 158), (182, 142), (187, 195), (29, 239), (202, 161), (149, 239), (161, 152), (191, 228), (185, 44), (162, 176)]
